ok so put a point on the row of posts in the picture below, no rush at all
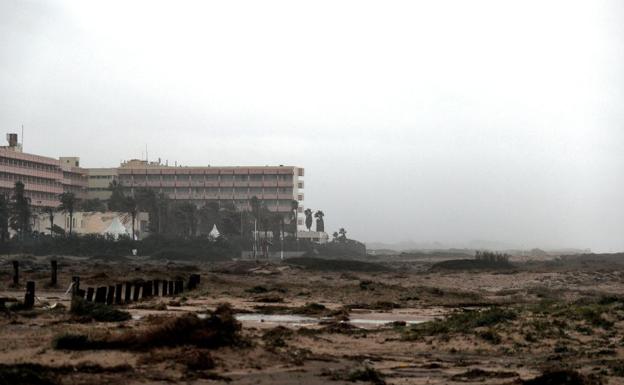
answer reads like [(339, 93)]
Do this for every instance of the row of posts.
[(131, 291), (53, 273), (127, 292)]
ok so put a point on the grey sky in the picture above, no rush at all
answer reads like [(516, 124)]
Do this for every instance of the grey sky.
[(428, 121)]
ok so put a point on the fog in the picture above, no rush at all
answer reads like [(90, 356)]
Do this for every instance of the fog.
[(446, 121)]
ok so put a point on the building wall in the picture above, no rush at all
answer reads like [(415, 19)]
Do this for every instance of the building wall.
[(44, 178), (275, 186), (99, 180), (92, 222)]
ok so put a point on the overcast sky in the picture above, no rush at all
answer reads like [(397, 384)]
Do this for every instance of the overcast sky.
[(443, 121)]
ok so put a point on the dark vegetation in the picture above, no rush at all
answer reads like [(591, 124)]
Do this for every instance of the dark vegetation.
[(178, 230), (364, 374), (220, 328), (463, 322), (563, 377), (347, 248), (96, 245), (37, 374), (321, 264), (84, 310), (484, 260)]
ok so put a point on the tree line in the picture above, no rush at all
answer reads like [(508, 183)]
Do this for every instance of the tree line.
[(168, 217)]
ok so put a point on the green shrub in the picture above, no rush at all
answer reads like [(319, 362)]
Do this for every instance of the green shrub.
[(463, 322)]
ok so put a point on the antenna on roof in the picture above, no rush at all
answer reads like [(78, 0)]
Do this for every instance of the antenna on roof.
[(22, 136), (146, 157)]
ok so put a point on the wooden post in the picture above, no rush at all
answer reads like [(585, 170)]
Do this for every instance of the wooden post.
[(90, 292), (165, 286), (137, 290), (156, 287), (15, 273), (100, 294), (193, 281), (29, 298), (54, 266), (118, 288), (180, 284), (147, 289), (128, 292), (76, 287), (171, 289), (110, 296)]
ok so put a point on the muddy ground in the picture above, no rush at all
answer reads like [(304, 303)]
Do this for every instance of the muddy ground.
[(416, 326)]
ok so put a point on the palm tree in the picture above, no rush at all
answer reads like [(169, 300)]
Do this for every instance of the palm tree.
[(49, 211), (116, 202), (294, 207), (130, 207), (185, 217), (320, 223), (20, 211), (342, 234), (308, 220), (68, 205)]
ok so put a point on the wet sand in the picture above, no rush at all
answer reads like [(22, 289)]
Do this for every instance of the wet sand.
[(365, 322)]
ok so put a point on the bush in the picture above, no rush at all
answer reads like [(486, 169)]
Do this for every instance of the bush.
[(219, 329), (367, 374), (463, 322), (336, 249), (97, 311)]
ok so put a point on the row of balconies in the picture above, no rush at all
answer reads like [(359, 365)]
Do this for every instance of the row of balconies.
[(245, 197), (184, 183), (33, 187), (31, 172)]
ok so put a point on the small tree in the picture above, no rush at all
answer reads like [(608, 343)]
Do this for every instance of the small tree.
[(320, 223), (20, 211), (117, 201), (49, 211), (294, 208), (342, 235), (93, 205), (130, 206), (308, 220), (68, 205)]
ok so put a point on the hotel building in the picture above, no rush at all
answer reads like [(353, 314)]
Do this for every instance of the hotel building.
[(44, 178), (275, 186)]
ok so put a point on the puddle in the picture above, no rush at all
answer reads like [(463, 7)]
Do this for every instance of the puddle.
[(297, 320), (359, 319), (381, 322), (290, 319)]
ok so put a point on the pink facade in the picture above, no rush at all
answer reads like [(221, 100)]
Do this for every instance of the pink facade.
[(276, 186), (44, 179)]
